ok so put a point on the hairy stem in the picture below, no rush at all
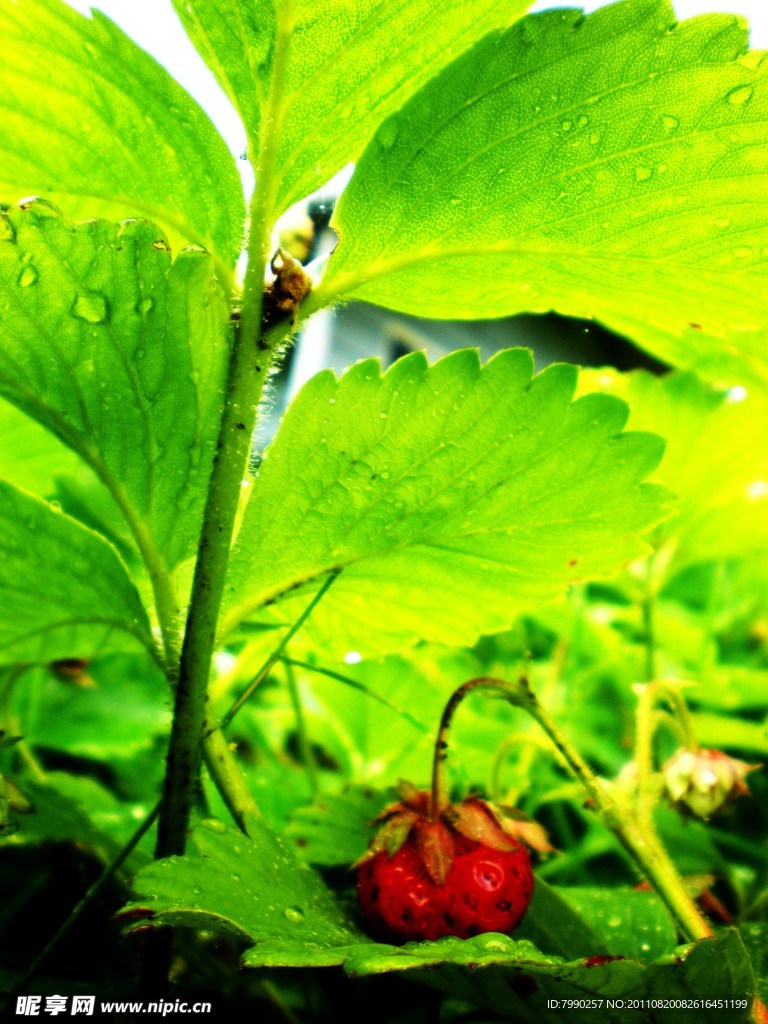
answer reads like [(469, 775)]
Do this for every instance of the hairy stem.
[(439, 798), (250, 361), (640, 843)]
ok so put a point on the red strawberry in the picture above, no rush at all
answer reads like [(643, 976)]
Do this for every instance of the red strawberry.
[(435, 868), (472, 887)]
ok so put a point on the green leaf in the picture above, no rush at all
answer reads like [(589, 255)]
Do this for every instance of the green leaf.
[(120, 711), (334, 830), (63, 591), (515, 980), (252, 887), (450, 496), (716, 462), (755, 936), (335, 74), (248, 885), (750, 738), (30, 456), (106, 131), (33, 458), (612, 167), (556, 927), (122, 356), (633, 924), (76, 809)]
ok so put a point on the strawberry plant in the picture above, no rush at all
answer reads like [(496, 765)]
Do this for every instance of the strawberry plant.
[(220, 656)]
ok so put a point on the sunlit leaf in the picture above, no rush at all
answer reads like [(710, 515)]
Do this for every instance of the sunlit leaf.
[(716, 462), (63, 591), (94, 123), (336, 72), (30, 456), (613, 166), (630, 923), (252, 887), (450, 496), (121, 354), (515, 980)]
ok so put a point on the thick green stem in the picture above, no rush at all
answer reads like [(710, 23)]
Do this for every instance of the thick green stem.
[(250, 362)]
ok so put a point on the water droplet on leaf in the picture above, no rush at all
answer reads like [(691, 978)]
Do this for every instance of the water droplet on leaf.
[(27, 276), (214, 826), (91, 307)]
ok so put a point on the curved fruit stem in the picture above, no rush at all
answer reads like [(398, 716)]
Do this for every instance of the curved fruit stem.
[(640, 843), (511, 691)]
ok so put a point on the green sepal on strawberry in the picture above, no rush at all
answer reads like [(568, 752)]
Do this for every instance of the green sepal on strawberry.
[(461, 871)]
